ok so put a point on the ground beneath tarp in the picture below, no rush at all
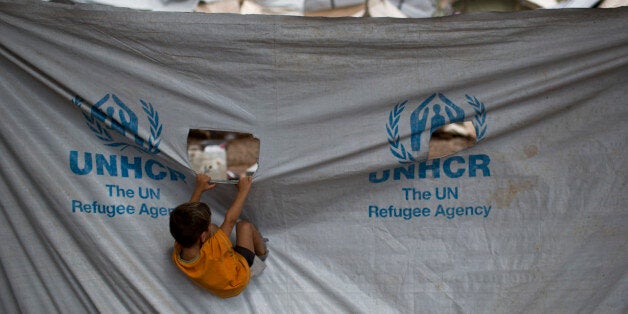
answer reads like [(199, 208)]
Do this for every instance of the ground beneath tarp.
[(440, 147), (243, 149)]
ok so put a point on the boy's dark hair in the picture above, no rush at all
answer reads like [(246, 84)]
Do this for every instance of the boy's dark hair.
[(188, 221)]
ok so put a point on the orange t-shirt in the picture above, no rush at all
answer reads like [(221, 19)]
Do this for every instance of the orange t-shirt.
[(218, 268)]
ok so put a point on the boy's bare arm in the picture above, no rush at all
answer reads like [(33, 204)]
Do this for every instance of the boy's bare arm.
[(202, 185), (231, 217)]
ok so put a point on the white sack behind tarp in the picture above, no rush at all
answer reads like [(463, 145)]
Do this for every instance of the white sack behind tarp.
[(96, 106), (414, 8), (154, 5)]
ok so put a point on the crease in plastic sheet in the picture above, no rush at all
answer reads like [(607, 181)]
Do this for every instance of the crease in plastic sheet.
[(529, 219)]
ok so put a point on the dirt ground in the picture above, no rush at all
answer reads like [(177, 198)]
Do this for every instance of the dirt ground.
[(242, 153), (243, 149), (446, 147), (448, 141)]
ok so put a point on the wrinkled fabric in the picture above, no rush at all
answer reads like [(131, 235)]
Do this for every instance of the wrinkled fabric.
[(97, 105)]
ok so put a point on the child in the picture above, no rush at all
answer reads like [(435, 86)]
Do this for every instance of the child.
[(203, 250)]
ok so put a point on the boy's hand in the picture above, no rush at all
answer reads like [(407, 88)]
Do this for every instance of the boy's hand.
[(244, 185), (202, 185), (203, 182)]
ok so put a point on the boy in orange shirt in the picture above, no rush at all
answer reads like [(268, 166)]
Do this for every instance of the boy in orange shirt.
[(203, 251)]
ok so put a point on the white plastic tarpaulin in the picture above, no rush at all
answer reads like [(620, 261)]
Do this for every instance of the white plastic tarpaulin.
[(96, 105)]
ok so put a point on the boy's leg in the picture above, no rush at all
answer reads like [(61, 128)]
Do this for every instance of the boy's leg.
[(248, 237)]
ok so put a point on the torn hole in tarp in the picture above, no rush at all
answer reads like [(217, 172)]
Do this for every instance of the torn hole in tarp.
[(225, 156), (451, 138)]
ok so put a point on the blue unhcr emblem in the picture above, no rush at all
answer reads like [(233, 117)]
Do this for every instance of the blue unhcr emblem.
[(430, 115), (111, 114)]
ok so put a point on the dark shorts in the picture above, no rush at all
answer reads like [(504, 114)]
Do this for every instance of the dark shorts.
[(248, 255)]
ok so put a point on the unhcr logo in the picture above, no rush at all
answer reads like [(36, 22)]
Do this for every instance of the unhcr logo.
[(114, 123), (433, 113)]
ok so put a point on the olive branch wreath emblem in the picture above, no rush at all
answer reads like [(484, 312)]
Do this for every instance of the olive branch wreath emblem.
[(392, 128), (155, 127), (104, 135), (479, 122)]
